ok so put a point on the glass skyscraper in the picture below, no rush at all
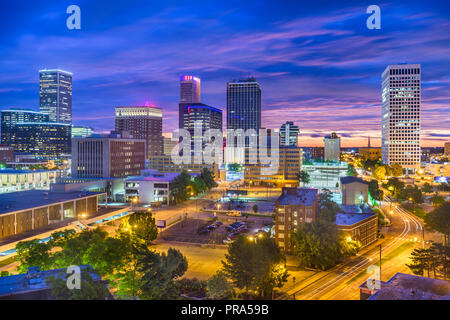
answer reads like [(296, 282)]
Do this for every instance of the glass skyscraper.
[(244, 106), (9, 118), (189, 89), (401, 100), (55, 95), (289, 134)]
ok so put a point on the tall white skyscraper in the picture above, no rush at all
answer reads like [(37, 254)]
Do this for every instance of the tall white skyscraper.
[(332, 146), (189, 89), (288, 134), (55, 95), (401, 96)]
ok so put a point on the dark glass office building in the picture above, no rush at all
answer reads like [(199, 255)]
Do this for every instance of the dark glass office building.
[(244, 105), (189, 113), (55, 95), (42, 139), (9, 118)]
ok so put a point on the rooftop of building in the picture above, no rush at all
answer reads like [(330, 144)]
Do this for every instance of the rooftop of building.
[(404, 286), (297, 196), (348, 219), (351, 179), (154, 175), (34, 280), (17, 171), (199, 105), (362, 208), (22, 200)]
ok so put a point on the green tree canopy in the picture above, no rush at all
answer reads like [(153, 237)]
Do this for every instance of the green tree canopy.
[(439, 220), (321, 244), (256, 264), (218, 287), (303, 177), (142, 225)]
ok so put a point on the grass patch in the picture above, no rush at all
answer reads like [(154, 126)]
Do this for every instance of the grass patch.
[(416, 210)]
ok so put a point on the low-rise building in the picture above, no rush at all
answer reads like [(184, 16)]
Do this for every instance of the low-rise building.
[(447, 148), (404, 286), (294, 207), (370, 153), (361, 227), (289, 165), (149, 187), (33, 284), (13, 180), (354, 191), (117, 155), (164, 164), (114, 187), (29, 210), (325, 175), (438, 169)]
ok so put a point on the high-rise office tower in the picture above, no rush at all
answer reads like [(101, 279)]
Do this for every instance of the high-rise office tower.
[(55, 95), (41, 139), (400, 133), (289, 134), (332, 148), (243, 106), (209, 117), (189, 89), (143, 122), (10, 117)]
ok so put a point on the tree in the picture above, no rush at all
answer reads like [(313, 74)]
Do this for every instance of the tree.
[(143, 226), (421, 261), (159, 272), (89, 288), (321, 244), (33, 253), (439, 220), (256, 264), (395, 186), (427, 188), (208, 178), (437, 200), (328, 209), (351, 171), (218, 287), (178, 187), (380, 172), (413, 194), (304, 177), (192, 287), (375, 191), (396, 170), (255, 208)]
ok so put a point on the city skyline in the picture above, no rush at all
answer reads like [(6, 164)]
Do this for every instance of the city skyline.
[(311, 63)]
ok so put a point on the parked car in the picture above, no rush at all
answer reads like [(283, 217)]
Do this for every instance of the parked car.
[(203, 231)]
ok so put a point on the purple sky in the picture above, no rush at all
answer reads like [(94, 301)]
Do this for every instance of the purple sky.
[(317, 64)]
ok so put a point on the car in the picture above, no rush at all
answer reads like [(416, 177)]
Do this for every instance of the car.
[(203, 231), (219, 223)]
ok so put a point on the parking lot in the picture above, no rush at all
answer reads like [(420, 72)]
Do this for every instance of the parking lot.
[(209, 231)]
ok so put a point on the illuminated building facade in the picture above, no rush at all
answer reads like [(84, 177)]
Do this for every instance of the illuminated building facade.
[(189, 89), (143, 122), (289, 134), (401, 99), (294, 207), (243, 107), (107, 157), (332, 148), (55, 95), (41, 139), (81, 132)]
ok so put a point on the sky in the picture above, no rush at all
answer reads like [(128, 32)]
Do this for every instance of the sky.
[(316, 61)]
